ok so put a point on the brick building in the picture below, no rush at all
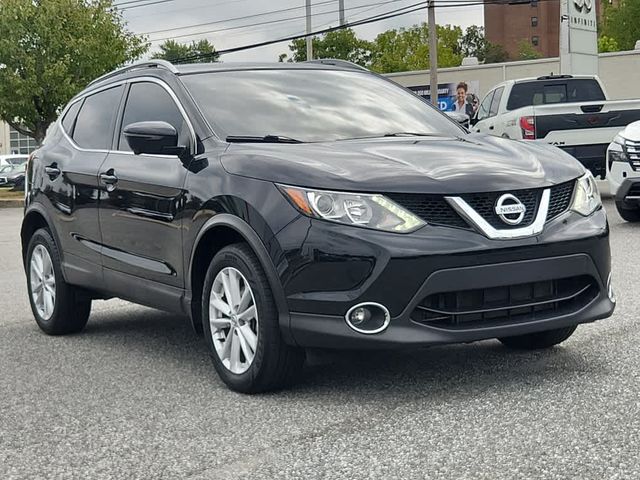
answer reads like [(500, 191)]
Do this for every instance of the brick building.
[(537, 23), (533, 21)]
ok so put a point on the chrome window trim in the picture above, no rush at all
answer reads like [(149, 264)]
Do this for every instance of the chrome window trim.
[(157, 81), (474, 219)]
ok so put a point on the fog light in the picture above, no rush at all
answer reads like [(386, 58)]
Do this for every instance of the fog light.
[(610, 292), (368, 318), (359, 315)]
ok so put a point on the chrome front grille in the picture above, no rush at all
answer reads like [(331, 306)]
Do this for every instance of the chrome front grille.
[(3, 180), (633, 153)]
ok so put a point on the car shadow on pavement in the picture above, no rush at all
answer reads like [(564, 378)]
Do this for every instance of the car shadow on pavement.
[(169, 339)]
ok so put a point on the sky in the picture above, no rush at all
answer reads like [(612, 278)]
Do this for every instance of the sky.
[(154, 17)]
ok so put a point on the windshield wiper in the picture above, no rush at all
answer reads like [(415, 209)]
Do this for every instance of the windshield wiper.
[(410, 134), (265, 139)]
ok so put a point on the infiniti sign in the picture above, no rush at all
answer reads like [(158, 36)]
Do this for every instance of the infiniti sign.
[(583, 5), (510, 209)]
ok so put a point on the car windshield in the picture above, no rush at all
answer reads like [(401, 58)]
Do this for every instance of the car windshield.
[(312, 105), (6, 169)]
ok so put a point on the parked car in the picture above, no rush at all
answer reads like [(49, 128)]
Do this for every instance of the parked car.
[(570, 112), (287, 206), (13, 176), (13, 160), (623, 172)]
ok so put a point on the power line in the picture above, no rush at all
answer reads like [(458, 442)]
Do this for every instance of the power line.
[(234, 19), (269, 22), (137, 5), (376, 18)]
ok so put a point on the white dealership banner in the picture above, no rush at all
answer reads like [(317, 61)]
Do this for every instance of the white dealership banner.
[(578, 37)]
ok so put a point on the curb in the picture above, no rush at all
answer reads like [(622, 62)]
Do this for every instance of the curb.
[(11, 203)]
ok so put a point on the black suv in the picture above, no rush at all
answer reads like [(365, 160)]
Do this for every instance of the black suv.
[(286, 206)]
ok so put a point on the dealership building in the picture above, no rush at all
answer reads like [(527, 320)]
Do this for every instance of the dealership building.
[(12, 141)]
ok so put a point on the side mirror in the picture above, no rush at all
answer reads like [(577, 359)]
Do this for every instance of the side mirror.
[(155, 138)]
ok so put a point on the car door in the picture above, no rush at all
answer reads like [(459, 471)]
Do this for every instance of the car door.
[(482, 117), (143, 195), (70, 179)]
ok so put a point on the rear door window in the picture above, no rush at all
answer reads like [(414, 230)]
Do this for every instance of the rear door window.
[(94, 125), (495, 102)]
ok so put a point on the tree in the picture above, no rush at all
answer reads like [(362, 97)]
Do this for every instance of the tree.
[(408, 48), (494, 53), (526, 51), (50, 50), (473, 43), (202, 51), (341, 44), (620, 23), (607, 44)]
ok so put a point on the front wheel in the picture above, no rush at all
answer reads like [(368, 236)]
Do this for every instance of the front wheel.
[(628, 214), (539, 340), (240, 322)]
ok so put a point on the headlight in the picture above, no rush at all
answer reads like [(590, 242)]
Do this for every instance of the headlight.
[(358, 209), (619, 139), (586, 198)]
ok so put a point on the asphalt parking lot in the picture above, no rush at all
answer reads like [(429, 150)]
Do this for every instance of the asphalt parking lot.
[(135, 396)]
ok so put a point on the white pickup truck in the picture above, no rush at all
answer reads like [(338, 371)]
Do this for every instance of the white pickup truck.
[(570, 112)]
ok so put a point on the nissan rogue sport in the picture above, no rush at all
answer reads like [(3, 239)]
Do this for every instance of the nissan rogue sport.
[(288, 206)]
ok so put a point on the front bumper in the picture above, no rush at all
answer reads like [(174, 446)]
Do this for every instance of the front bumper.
[(628, 193), (337, 268)]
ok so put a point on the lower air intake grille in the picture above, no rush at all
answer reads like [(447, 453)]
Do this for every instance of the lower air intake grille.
[(506, 304)]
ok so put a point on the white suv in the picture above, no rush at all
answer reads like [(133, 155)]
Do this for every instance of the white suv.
[(623, 171)]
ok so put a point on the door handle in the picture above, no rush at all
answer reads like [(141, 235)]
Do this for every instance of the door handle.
[(490, 127), (53, 171), (109, 177)]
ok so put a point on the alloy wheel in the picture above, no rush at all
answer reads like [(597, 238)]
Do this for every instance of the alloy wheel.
[(234, 320), (43, 282)]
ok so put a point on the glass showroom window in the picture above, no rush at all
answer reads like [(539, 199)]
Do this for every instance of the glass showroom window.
[(19, 143)]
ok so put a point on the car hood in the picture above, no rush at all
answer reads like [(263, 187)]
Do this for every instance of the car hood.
[(632, 132), (474, 163)]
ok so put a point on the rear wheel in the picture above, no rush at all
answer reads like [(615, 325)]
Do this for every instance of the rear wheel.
[(628, 214), (240, 322), (539, 340), (59, 308)]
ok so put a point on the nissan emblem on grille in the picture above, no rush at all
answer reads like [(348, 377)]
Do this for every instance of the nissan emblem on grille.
[(510, 209)]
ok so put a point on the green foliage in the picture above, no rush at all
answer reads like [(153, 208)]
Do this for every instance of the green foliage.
[(172, 51), (341, 44), (607, 44), (526, 51), (620, 23), (50, 50), (474, 44), (408, 48), (494, 53), (401, 49)]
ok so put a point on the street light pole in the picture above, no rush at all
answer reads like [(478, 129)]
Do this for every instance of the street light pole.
[(309, 39), (433, 53), (341, 10)]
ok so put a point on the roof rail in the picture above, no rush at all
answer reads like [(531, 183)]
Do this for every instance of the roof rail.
[(338, 63), (135, 66), (553, 77)]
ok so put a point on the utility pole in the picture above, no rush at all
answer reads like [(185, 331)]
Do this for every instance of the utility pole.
[(433, 53), (309, 39), (341, 10)]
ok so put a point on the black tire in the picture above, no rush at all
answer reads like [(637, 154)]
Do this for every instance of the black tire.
[(539, 340), (628, 214), (275, 364), (71, 307)]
